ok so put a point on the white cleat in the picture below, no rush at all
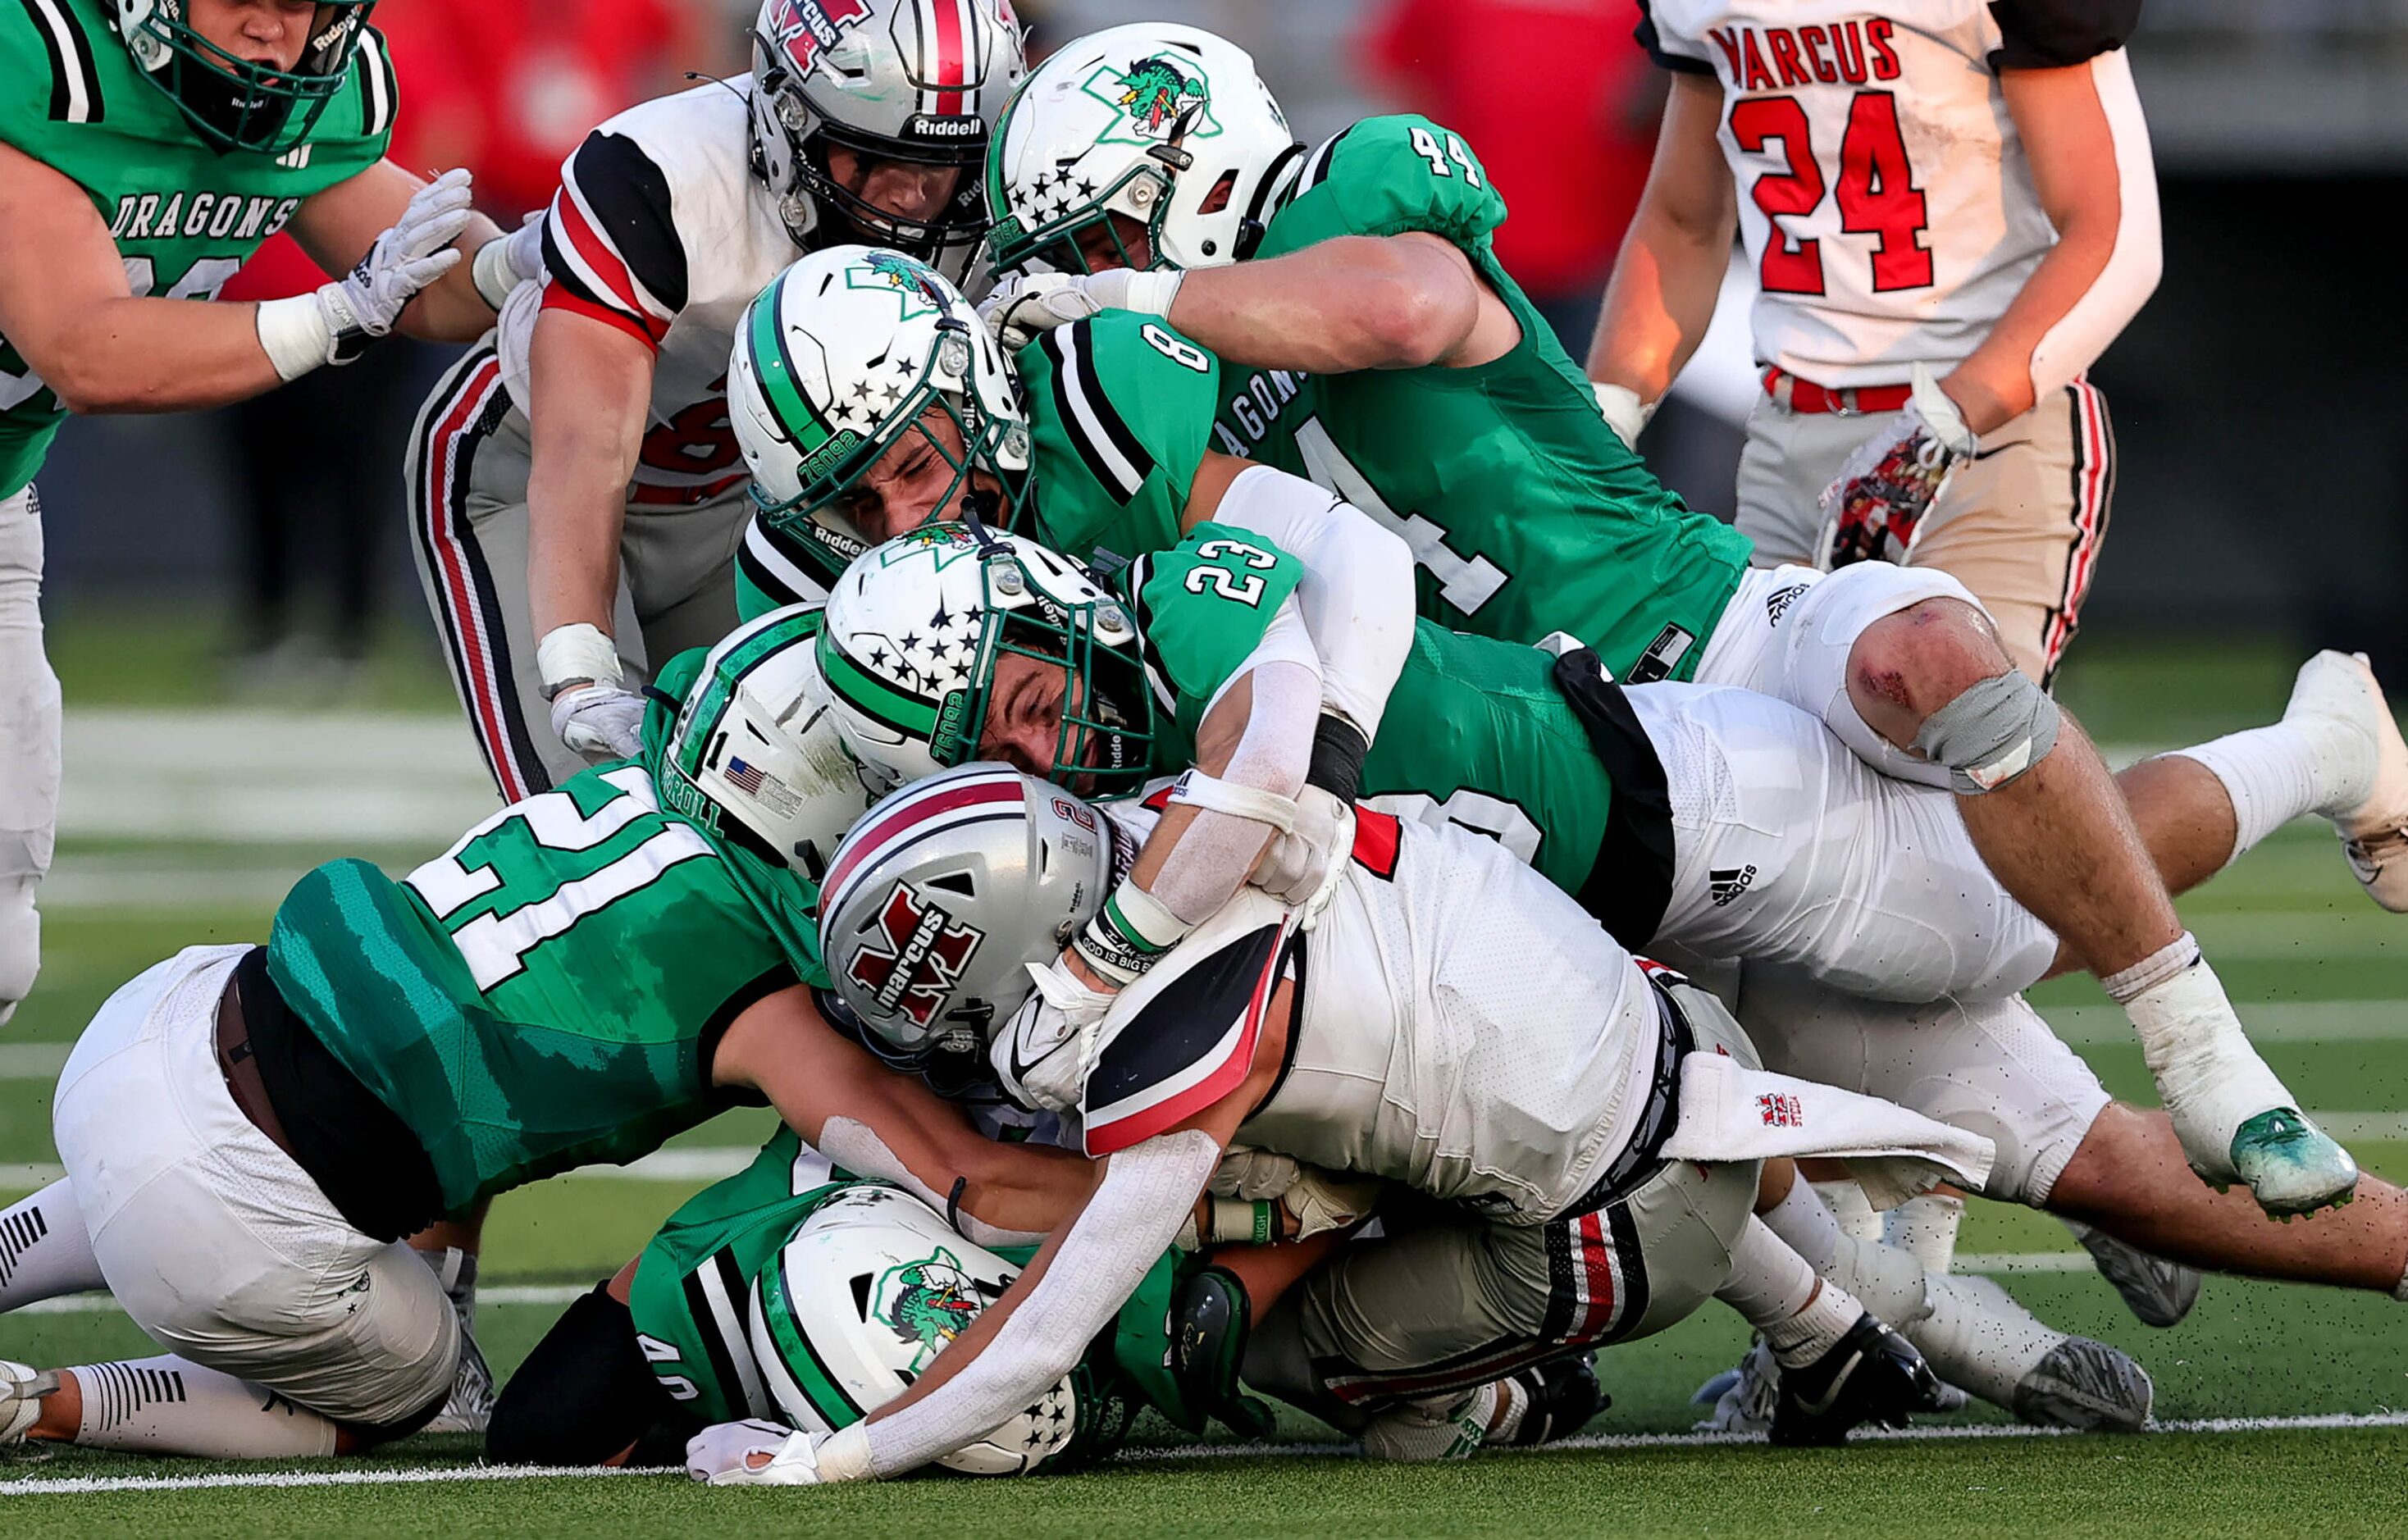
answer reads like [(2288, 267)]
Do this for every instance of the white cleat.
[(21, 1389), (2373, 829)]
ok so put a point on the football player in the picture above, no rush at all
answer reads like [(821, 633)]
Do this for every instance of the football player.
[(1034, 664), (1537, 1096), (248, 1130), (146, 149), (1150, 161), (576, 494), (1950, 217)]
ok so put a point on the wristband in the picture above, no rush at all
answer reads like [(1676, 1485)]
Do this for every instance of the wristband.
[(1151, 293), (845, 1456), (1130, 934), (294, 336), (491, 271), (577, 654), (1337, 751), (1240, 1221)]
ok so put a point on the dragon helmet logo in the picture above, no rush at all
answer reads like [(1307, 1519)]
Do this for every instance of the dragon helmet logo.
[(1154, 100), (920, 291), (928, 1304)]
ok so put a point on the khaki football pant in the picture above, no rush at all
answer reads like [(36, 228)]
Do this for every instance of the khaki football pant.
[(2021, 526)]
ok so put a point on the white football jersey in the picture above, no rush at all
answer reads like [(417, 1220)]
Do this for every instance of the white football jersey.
[(1883, 197), (661, 229), (1465, 1029)]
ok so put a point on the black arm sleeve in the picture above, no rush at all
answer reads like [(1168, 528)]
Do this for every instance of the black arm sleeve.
[(2056, 34), (584, 1394)]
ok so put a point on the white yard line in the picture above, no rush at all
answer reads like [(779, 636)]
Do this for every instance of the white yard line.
[(1945, 1433)]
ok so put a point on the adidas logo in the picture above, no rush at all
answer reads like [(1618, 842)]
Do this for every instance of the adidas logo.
[(1777, 603), (1726, 883)]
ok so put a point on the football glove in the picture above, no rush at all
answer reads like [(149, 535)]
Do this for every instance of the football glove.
[(1325, 1200), (1041, 1056), (1248, 1173), (600, 722), (1873, 510), (1025, 303), (753, 1453), (415, 253), (1302, 866)]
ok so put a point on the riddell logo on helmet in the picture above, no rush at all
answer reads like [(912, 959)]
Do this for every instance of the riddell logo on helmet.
[(803, 27), (923, 126), (931, 950)]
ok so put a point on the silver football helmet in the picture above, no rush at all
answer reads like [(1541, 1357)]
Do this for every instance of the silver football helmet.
[(920, 82), (943, 895)]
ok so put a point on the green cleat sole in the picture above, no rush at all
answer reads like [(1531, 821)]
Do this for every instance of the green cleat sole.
[(2291, 1167)]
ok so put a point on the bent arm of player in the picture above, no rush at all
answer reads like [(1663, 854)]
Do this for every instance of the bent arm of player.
[(1357, 596), (878, 1123), (368, 226), (1661, 296), (592, 389), (67, 306), (1019, 1345), (2089, 147)]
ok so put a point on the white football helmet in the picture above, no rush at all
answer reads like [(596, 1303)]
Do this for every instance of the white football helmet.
[(941, 896), (1160, 121), (870, 1287), (756, 756), (842, 358), (915, 631), (919, 82)]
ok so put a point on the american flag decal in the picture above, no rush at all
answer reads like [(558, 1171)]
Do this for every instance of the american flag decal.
[(746, 776)]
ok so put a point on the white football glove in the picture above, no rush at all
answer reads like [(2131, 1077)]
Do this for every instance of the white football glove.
[(601, 721), (405, 259), (1042, 1053), (1873, 510), (753, 1453), (1326, 1200), (1025, 303), (1625, 413), (1250, 1173), (1302, 866)]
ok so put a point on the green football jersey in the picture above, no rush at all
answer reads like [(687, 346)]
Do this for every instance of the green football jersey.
[(691, 1300), (1476, 732), (1527, 515), (184, 215), (546, 994)]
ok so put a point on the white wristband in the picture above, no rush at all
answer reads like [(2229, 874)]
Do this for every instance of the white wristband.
[(492, 270), (576, 652), (1151, 294), (294, 336), (845, 1457)]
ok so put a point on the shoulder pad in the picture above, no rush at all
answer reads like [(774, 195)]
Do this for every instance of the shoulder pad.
[(1183, 1037), (1387, 175)]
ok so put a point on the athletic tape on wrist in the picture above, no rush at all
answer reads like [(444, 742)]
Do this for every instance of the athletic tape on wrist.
[(1198, 789), (492, 270), (1153, 294), (1130, 934), (293, 334), (1241, 1221), (575, 653), (2129, 984), (845, 1456)]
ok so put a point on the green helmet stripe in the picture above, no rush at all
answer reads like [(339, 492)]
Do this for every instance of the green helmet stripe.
[(726, 676), (873, 696), (794, 1350), (774, 367)]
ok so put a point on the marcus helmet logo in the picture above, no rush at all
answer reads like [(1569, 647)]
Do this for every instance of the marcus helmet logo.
[(928, 1304), (930, 951), (1726, 883), (921, 291), (1780, 1109), (1157, 101), (803, 27)]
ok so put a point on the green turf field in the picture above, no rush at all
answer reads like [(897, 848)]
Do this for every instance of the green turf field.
[(2322, 976)]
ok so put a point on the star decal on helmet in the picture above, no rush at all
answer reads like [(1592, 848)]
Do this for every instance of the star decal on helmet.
[(1154, 99)]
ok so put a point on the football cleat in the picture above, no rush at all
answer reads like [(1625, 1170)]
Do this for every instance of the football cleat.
[(1561, 1397), (21, 1389), (2374, 832), (469, 1407), (2160, 1292), (1871, 1375), (2087, 1386), (1743, 1398), (2291, 1166)]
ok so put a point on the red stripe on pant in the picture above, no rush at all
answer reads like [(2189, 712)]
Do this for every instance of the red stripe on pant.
[(480, 680), (2093, 483)]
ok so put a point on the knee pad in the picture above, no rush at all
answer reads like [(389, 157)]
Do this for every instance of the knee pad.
[(1992, 732), (583, 1394)]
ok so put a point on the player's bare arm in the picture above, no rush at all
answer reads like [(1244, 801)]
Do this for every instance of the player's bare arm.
[(1662, 292), (1358, 301), (2082, 135), (341, 226), (882, 1124)]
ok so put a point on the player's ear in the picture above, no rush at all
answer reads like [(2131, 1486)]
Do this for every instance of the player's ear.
[(1218, 198)]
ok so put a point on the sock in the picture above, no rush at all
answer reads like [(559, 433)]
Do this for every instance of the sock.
[(1977, 1337), (1924, 1228), (2209, 1076), (1513, 1404), (44, 1251), (1856, 1214), (1814, 1329), (2311, 761), (1807, 1223), (171, 1406), (1770, 1283)]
